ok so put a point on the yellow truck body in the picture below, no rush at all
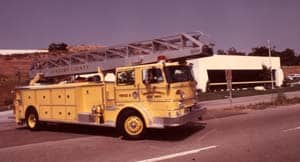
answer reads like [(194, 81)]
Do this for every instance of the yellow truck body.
[(155, 95)]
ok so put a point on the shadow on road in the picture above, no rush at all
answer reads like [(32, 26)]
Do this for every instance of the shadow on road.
[(176, 133), (78, 129), (168, 134)]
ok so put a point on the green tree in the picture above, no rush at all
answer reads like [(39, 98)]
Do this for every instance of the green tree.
[(233, 51), (207, 51), (53, 47), (259, 51), (230, 51), (288, 57), (221, 52)]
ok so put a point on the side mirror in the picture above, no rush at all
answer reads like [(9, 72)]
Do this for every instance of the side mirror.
[(146, 77)]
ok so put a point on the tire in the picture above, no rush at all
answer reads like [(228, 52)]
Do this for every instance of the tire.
[(132, 125), (32, 120)]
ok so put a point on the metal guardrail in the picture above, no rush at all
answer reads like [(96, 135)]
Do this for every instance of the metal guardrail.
[(237, 83)]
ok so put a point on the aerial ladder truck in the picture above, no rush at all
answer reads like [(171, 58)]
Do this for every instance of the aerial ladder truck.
[(151, 86)]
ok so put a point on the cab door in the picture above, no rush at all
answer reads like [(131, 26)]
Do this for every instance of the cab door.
[(153, 87), (127, 89)]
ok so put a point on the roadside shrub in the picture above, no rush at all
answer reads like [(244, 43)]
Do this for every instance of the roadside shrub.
[(281, 99), (294, 100)]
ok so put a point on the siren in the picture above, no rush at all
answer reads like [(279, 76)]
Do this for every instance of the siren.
[(161, 58)]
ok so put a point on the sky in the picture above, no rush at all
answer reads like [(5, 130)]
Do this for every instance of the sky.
[(243, 24)]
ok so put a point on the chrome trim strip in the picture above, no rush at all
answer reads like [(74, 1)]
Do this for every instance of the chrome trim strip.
[(107, 124)]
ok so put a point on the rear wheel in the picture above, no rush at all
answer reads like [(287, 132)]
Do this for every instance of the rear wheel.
[(132, 125), (32, 120)]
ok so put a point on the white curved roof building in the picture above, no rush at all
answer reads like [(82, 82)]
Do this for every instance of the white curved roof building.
[(202, 66)]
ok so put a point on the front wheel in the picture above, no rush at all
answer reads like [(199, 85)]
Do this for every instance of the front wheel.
[(32, 120), (132, 125)]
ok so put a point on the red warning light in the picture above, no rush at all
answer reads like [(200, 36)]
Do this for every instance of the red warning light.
[(161, 58)]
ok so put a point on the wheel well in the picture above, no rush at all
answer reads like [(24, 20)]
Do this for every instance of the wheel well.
[(29, 109), (125, 110)]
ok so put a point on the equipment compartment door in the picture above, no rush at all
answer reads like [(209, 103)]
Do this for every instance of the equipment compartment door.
[(59, 112), (70, 112), (45, 112)]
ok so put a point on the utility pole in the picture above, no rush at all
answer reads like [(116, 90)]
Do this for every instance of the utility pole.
[(228, 74), (270, 61)]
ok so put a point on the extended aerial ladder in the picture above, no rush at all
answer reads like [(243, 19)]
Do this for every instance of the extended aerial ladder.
[(184, 45)]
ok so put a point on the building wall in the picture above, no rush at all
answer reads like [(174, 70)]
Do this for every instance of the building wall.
[(287, 70), (222, 62)]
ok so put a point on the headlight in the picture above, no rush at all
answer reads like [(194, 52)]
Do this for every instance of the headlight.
[(100, 109)]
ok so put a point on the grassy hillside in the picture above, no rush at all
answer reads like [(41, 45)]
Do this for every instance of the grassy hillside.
[(14, 69)]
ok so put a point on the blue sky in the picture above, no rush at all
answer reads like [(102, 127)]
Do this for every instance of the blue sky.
[(242, 24)]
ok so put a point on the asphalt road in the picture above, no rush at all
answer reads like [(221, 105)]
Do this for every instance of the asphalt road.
[(265, 135)]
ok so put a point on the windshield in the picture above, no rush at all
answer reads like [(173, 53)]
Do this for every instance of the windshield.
[(178, 74)]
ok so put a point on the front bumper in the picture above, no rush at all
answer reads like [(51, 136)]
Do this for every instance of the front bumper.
[(195, 113)]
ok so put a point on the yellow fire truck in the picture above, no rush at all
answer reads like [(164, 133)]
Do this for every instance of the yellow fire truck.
[(144, 96), (136, 97)]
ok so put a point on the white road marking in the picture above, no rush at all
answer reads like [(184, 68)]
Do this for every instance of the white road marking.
[(170, 156), (291, 129)]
